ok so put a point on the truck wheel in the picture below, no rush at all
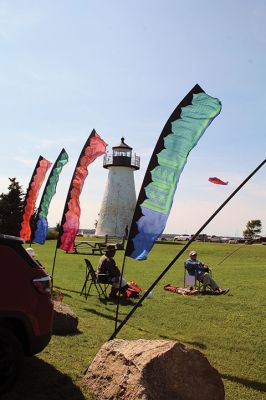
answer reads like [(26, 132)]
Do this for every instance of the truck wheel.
[(11, 358)]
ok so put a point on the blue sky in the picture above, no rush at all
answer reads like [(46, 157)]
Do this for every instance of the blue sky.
[(121, 67)]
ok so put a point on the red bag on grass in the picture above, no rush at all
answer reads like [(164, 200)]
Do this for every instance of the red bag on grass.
[(133, 291)]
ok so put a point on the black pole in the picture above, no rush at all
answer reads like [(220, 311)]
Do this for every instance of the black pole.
[(183, 250), (120, 282), (54, 261)]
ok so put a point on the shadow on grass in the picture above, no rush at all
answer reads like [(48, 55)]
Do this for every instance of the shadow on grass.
[(91, 310), (84, 254), (196, 344), (69, 290), (143, 330), (40, 381), (67, 295), (123, 302), (78, 332), (246, 382), (167, 337), (105, 301), (110, 317)]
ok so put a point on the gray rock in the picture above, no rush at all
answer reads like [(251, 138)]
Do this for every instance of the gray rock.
[(65, 320)]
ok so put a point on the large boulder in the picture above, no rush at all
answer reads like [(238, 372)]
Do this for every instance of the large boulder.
[(152, 370), (65, 321)]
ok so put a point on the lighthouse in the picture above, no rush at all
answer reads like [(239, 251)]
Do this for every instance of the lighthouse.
[(119, 199)]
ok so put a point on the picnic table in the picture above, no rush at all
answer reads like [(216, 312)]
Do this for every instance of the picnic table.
[(93, 247), (98, 247)]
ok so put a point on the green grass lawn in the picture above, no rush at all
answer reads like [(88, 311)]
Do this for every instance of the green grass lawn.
[(229, 329)]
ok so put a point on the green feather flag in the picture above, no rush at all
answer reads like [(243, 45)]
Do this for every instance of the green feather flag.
[(48, 193)]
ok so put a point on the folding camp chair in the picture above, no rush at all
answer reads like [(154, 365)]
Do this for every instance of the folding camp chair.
[(91, 279), (191, 280)]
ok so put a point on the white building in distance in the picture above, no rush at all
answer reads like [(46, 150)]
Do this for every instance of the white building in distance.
[(119, 200)]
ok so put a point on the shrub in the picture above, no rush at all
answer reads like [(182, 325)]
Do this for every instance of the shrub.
[(52, 234)]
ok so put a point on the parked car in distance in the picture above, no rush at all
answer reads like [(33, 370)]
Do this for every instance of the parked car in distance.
[(182, 237), (232, 241), (26, 308), (215, 239)]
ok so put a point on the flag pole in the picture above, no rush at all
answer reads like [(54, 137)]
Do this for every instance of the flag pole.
[(62, 219), (57, 240), (118, 300), (54, 262), (183, 250)]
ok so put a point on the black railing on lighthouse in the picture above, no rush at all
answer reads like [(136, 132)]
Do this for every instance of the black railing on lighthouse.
[(111, 160)]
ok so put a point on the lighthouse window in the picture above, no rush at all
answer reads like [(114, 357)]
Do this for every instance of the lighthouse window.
[(122, 153)]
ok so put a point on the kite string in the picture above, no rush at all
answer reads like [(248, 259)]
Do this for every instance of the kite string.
[(229, 255)]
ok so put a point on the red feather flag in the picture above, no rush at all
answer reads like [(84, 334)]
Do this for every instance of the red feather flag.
[(217, 181), (36, 181), (93, 148)]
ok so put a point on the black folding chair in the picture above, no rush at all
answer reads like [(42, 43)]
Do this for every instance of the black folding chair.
[(91, 279)]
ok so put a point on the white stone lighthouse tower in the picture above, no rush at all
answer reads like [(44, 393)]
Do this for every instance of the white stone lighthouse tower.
[(119, 200)]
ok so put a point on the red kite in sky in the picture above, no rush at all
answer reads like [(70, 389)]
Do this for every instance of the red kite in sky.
[(217, 181)]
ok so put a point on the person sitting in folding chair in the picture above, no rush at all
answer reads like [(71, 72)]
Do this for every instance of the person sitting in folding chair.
[(196, 268), (107, 266)]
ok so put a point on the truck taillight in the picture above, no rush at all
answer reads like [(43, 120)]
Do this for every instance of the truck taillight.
[(43, 285)]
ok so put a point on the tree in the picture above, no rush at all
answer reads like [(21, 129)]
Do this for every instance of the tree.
[(11, 209), (253, 229)]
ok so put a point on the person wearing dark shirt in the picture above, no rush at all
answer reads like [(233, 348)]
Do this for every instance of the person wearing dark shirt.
[(107, 266)]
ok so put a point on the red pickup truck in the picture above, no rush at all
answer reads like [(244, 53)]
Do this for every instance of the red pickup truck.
[(26, 308)]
